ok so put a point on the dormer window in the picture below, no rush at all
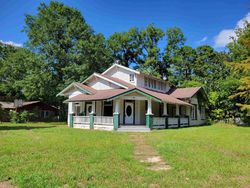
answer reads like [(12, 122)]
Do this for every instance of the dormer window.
[(131, 77)]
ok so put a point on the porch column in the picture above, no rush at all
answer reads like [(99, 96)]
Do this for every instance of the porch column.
[(165, 109), (177, 110), (70, 112), (149, 110), (116, 114), (149, 114), (178, 114)]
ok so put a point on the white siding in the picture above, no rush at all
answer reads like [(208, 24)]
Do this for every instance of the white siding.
[(98, 108), (199, 121), (141, 83), (73, 93), (137, 112), (122, 74), (101, 84)]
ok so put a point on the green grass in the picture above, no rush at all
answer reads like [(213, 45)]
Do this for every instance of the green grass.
[(53, 155)]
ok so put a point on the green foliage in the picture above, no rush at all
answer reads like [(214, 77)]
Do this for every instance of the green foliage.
[(52, 155), (14, 118), (62, 38), (240, 65), (63, 48), (1, 113), (20, 117)]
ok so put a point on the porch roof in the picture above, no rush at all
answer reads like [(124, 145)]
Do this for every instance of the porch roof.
[(98, 95), (112, 94), (182, 93)]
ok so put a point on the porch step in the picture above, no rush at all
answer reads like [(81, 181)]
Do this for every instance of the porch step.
[(133, 128)]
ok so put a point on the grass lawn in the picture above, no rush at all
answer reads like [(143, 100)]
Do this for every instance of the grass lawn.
[(53, 155)]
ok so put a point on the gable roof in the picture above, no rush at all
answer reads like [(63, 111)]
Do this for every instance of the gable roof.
[(120, 66), (99, 95), (183, 93), (107, 78), (81, 87), (117, 80)]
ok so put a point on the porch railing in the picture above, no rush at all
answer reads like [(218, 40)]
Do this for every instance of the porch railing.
[(103, 120), (81, 122), (159, 122), (99, 122), (169, 122), (184, 122)]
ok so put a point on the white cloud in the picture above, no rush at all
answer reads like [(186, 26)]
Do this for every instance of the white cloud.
[(11, 43), (202, 40), (225, 35)]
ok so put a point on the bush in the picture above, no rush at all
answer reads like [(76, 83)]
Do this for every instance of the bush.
[(22, 117)]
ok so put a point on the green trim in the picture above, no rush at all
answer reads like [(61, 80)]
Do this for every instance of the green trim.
[(116, 120), (91, 120), (135, 90), (71, 120), (149, 120), (179, 121), (166, 122)]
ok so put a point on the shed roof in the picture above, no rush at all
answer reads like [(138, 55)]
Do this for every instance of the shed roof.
[(182, 93)]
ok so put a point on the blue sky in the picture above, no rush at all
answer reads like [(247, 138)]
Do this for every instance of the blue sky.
[(203, 22)]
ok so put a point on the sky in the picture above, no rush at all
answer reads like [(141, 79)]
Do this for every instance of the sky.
[(203, 22)]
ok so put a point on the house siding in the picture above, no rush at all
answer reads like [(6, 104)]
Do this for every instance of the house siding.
[(102, 85), (122, 73)]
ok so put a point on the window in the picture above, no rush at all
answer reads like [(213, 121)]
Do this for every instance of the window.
[(108, 108), (132, 77), (45, 114), (77, 109), (154, 81), (146, 82), (182, 110), (194, 112)]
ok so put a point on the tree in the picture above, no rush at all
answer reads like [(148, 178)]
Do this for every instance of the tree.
[(126, 46), (25, 76), (239, 51), (152, 62), (175, 41), (62, 38), (209, 67), (184, 64)]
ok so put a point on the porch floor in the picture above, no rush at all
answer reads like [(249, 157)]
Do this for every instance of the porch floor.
[(133, 128)]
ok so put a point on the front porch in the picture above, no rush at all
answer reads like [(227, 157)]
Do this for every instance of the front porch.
[(126, 114)]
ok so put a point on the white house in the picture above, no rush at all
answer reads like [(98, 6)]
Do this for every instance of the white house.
[(121, 97)]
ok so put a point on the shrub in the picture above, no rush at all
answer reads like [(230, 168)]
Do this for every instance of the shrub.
[(14, 116), (22, 117)]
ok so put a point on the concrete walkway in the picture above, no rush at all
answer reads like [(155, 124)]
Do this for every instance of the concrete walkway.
[(147, 154)]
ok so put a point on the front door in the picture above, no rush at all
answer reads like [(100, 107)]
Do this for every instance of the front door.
[(129, 113)]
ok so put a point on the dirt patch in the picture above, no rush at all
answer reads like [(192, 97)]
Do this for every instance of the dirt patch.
[(6, 184), (147, 154)]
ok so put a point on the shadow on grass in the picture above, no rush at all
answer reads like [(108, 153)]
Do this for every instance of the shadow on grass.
[(2, 128), (185, 127)]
